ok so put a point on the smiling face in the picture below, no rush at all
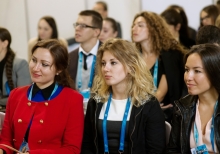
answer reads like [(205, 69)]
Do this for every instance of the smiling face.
[(195, 76), (140, 31), (107, 31), (41, 68), (44, 30), (113, 71)]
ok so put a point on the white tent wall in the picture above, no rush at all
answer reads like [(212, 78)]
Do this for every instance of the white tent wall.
[(191, 7), (20, 17)]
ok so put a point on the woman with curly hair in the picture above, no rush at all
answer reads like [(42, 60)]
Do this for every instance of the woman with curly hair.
[(124, 115), (13, 70), (163, 56)]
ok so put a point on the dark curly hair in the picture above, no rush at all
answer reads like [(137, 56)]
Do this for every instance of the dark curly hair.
[(160, 36)]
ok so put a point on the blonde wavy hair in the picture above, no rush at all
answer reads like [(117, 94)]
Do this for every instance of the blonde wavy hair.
[(140, 87), (160, 36)]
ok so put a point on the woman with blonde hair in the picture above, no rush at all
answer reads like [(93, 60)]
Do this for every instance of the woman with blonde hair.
[(163, 55), (123, 115)]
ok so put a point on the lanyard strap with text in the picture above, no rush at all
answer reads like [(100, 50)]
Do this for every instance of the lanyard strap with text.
[(79, 71), (155, 75), (123, 126), (54, 90), (196, 134)]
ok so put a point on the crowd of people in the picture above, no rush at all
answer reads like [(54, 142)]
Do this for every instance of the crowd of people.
[(112, 95)]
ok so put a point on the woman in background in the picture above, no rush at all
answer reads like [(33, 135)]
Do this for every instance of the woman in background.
[(109, 29), (208, 15), (175, 24), (47, 116), (124, 92), (13, 70), (163, 55), (196, 119), (186, 30), (47, 29)]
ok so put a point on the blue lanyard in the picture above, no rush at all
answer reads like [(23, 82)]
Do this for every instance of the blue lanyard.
[(196, 134), (155, 75), (123, 126), (7, 88), (30, 93), (79, 71)]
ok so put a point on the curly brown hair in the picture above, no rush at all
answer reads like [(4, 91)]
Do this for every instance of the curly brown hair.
[(160, 36)]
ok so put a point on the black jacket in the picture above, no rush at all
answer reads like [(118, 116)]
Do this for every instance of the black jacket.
[(184, 115), (174, 71), (146, 128)]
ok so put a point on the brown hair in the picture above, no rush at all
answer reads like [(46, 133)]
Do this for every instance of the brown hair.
[(160, 36), (50, 20), (212, 11), (61, 58), (10, 55), (96, 17), (104, 5)]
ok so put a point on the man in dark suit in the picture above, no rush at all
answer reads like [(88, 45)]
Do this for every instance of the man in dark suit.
[(102, 8), (82, 60)]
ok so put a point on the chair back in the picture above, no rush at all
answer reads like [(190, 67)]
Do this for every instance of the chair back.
[(168, 130), (2, 117)]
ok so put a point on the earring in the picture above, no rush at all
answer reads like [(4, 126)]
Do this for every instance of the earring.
[(57, 73)]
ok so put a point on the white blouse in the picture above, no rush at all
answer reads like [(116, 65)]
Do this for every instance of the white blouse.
[(205, 139), (116, 110)]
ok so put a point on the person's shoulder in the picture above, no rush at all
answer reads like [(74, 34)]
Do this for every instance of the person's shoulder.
[(63, 41), (18, 63), (18, 60), (71, 92), (19, 90), (74, 52), (187, 101), (33, 40)]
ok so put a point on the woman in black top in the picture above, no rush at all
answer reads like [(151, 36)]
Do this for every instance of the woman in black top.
[(161, 52), (123, 115)]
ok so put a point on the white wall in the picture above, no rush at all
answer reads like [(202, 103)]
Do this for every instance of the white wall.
[(123, 11), (191, 7), (12, 17), (65, 12), (20, 17)]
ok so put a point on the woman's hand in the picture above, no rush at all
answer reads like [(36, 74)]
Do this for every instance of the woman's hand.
[(1, 151), (166, 106)]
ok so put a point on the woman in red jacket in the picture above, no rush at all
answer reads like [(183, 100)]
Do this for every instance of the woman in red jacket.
[(46, 117)]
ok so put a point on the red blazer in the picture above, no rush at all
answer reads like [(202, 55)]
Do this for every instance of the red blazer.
[(57, 125)]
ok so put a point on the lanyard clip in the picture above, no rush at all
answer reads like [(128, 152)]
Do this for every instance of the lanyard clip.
[(120, 151)]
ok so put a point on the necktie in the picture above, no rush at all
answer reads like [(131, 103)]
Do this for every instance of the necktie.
[(85, 57)]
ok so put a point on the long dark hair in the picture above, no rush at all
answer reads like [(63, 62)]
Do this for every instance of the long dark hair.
[(210, 56), (50, 20), (10, 55), (61, 59), (184, 26)]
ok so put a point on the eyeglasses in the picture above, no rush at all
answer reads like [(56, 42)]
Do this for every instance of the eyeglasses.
[(82, 26), (201, 19)]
